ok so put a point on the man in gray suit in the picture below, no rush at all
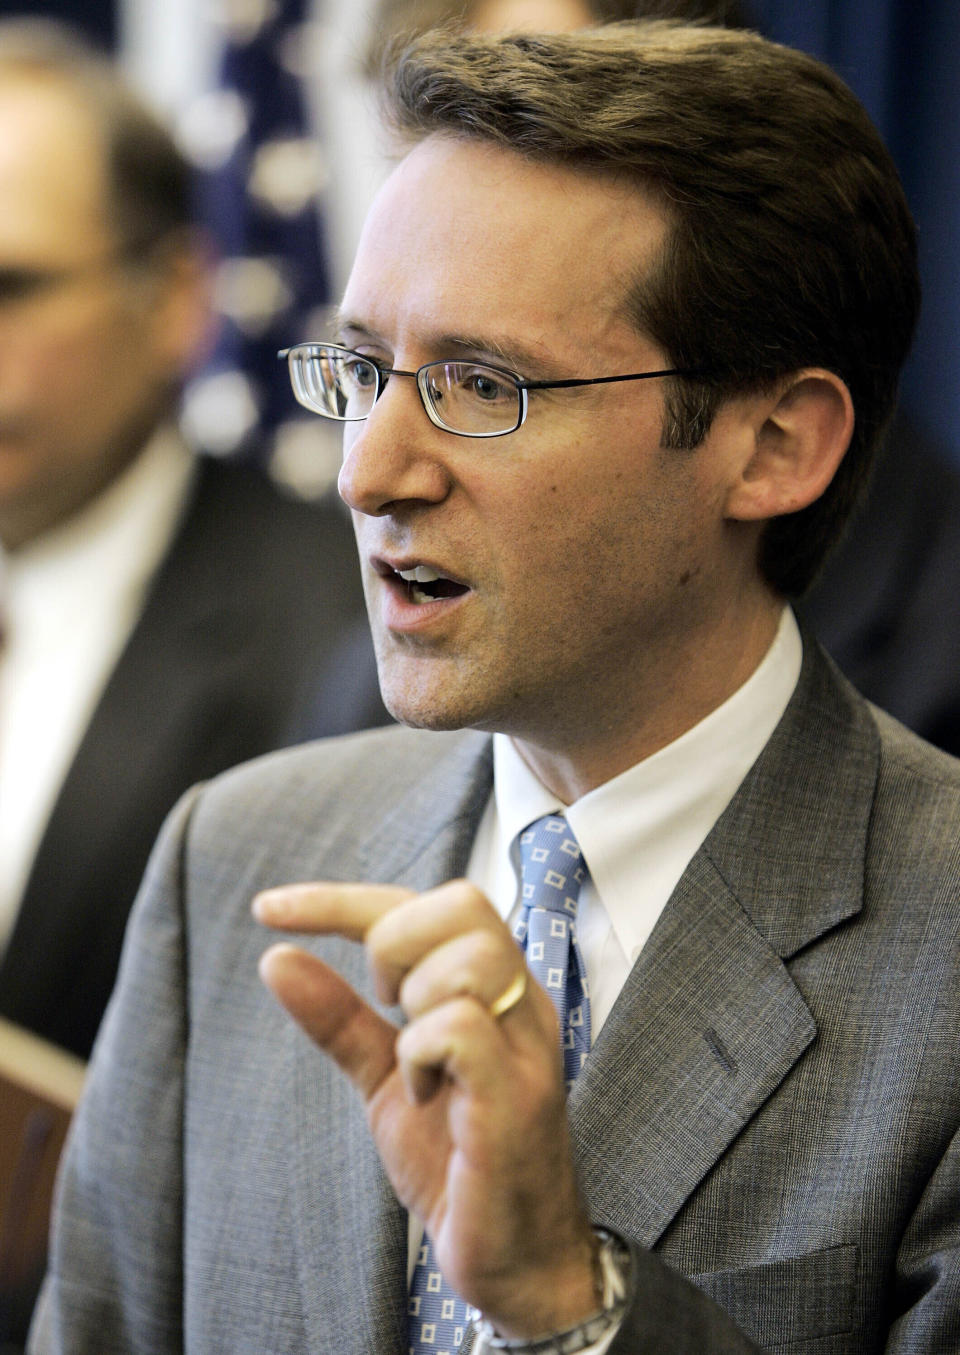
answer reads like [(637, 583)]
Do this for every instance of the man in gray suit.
[(623, 330)]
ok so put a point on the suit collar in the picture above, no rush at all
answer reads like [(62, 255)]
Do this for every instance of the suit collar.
[(426, 832), (791, 846), (710, 1021)]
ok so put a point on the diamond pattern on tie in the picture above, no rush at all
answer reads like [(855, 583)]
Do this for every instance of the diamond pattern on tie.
[(552, 872)]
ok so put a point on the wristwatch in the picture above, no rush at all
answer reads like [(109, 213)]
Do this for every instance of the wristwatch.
[(614, 1282)]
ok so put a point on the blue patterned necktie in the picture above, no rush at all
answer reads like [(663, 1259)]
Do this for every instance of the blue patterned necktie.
[(552, 872)]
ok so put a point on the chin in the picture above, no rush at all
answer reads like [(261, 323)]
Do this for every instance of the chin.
[(425, 714), (432, 692), (430, 705)]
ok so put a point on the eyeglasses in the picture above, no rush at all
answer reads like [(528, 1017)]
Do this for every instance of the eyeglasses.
[(471, 399)]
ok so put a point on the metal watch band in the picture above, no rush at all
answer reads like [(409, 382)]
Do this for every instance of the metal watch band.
[(615, 1270)]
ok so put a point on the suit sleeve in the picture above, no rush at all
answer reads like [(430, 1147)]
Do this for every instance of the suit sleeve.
[(928, 1268), (115, 1282), (669, 1313)]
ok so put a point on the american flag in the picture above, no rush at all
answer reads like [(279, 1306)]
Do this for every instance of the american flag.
[(260, 182)]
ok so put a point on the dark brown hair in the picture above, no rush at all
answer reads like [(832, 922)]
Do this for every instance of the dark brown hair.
[(791, 246)]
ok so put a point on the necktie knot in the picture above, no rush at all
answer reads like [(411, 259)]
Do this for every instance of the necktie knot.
[(551, 865)]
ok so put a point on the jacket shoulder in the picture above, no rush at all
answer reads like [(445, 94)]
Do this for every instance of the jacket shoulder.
[(331, 796), (905, 755), (396, 752), (915, 819)]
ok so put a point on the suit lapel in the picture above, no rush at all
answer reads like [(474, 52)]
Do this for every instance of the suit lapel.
[(145, 743), (710, 1021), (418, 843), (707, 1026)]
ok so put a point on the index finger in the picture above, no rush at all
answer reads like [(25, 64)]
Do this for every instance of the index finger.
[(322, 908)]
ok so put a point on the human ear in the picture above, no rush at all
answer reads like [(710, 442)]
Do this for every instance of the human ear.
[(183, 311), (802, 434)]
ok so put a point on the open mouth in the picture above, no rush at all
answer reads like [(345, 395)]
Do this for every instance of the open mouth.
[(424, 584)]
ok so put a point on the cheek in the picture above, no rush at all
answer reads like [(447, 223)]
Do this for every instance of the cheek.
[(50, 386), (88, 390), (615, 539), (540, 558), (121, 364), (79, 353)]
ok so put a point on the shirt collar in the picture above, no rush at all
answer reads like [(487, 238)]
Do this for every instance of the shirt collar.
[(639, 830)]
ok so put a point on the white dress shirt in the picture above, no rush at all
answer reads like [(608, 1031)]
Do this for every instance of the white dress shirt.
[(638, 832), (72, 598)]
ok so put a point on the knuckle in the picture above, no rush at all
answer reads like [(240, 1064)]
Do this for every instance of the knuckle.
[(467, 899), (489, 951)]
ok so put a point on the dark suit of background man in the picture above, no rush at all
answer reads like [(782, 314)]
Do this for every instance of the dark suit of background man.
[(578, 594), (165, 615)]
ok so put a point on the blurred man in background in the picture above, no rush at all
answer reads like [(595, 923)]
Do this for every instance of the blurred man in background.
[(164, 615)]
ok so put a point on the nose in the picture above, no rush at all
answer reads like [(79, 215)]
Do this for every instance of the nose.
[(395, 456)]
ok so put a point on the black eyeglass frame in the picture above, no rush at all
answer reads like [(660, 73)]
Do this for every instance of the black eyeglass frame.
[(420, 376)]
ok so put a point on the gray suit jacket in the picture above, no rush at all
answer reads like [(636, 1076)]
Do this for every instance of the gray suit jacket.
[(770, 1108)]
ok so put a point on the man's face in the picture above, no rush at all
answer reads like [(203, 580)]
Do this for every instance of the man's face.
[(84, 363), (588, 566)]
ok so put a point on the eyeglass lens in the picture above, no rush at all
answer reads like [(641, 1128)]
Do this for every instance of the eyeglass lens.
[(463, 397)]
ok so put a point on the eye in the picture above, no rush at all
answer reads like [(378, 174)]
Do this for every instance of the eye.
[(486, 385), (19, 284), (359, 373)]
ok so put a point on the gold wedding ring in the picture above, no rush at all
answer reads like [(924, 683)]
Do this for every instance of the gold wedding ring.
[(511, 995)]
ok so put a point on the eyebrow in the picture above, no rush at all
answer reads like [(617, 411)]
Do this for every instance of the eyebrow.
[(507, 353)]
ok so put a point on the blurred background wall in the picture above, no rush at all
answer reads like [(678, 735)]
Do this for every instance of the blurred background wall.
[(903, 59)]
